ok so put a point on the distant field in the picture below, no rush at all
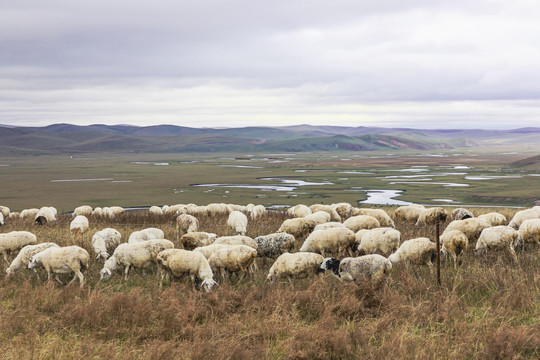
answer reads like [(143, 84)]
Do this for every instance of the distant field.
[(479, 177)]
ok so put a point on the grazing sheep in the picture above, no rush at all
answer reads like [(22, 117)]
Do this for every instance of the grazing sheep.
[(62, 260), (461, 214), (194, 239), (15, 240), (359, 222), (521, 216), (273, 245), (381, 216), (344, 210), (529, 233), (79, 225), (145, 234), (417, 251), (432, 216), (373, 267), (329, 225), (105, 241), (258, 211), (1, 219), (300, 264), (208, 250), (112, 212), (297, 227), (139, 255), (237, 221), (193, 209), (335, 242), (382, 241), (471, 227), (23, 258), (334, 216), (233, 258), (299, 211), (155, 210), (4, 210), (85, 210), (178, 262), (217, 209), (493, 218), (497, 238), (408, 213), (45, 215), (14, 215), (454, 242), (236, 240), (29, 213), (245, 209), (319, 217), (98, 212), (184, 224)]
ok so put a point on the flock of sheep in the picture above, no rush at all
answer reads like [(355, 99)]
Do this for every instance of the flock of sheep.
[(353, 243)]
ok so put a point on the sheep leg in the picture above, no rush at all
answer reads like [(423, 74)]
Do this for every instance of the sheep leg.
[(454, 256), (5, 257), (513, 253), (37, 275), (58, 279), (126, 272)]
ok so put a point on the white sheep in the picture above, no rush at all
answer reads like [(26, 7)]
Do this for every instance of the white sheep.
[(432, 216), (454, 242), (155, 210), (461, 214), (105, 241), (85, 210), (335, 242), (193, 209), (238, 222), (245, 209), (14, 215), (493, 218), (178, 262), (334, 216), (62, 260), (319, 217), (344, 210), (29, 213), (408, 213), (359, 222), (14, 241), (297, 227), (329, 225), (497, 238), (45, 215), (186, 223), (299, 211), (258, 211), (379, 214), (217, 209), (1, 219), (521, 216), (273, 245), (529, 233), (145, 234), (4, 210), (98, 211), (471, 227), (23, 258), (300, 264), (79, 225), (373, 267), (194, 239), (234, 258), (139, 255), (382, 241), (417, 251), (236, 240), (208, 250)]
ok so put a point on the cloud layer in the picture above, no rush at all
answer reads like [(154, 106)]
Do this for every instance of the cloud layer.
[(418, 63)]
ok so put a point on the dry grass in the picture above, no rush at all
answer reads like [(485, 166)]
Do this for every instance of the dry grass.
[(485, 310)]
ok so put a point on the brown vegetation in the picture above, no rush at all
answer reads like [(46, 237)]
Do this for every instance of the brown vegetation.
[(487, 310)]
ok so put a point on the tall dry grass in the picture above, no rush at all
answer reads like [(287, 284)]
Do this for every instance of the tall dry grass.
[(486, 310)]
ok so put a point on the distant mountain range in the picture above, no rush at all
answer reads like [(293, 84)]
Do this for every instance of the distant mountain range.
[(73, 139)]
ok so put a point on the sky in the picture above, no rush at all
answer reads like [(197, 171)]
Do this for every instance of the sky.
[(230, 63)]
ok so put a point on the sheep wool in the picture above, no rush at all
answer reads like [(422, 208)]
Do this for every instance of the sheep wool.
[(417, 251), (145, 234), (62, 260), (529, 232), (432, 216), (237, 221), (372, 267), (408, 213), (105, 241), (381, 216), (521, 216), (15, 240), (359, 222), (208, 250), (23, 258), (344, 210), (194, 239), (233, 258), (85, 210), (319, 217), (155, 210), (178, 262), (273, 245), (186, 223), (4, 210), (79, 225), (299, 211), (497, 238), (454, 242), (461, 214), (45, 215), (329, 225), (125, 256), (335, 242), (297, 227), (236, 240), (296, 265), (493, 218), (382, 241), (472, 227), (334, 216)]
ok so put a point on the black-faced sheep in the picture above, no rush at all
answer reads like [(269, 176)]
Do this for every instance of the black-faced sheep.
[(373, 267)]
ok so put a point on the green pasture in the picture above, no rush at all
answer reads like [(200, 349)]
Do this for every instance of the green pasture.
[(41, 180)]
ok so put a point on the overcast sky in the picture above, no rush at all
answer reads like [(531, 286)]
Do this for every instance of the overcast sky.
[(226, 63)]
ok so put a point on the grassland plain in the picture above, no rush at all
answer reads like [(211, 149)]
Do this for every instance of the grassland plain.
[(481, 177), (485, 309)]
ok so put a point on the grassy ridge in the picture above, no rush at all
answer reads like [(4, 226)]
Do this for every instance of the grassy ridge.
[(487, 310)]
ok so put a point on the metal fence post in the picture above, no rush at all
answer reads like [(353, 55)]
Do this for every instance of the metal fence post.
[(438, 258)]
